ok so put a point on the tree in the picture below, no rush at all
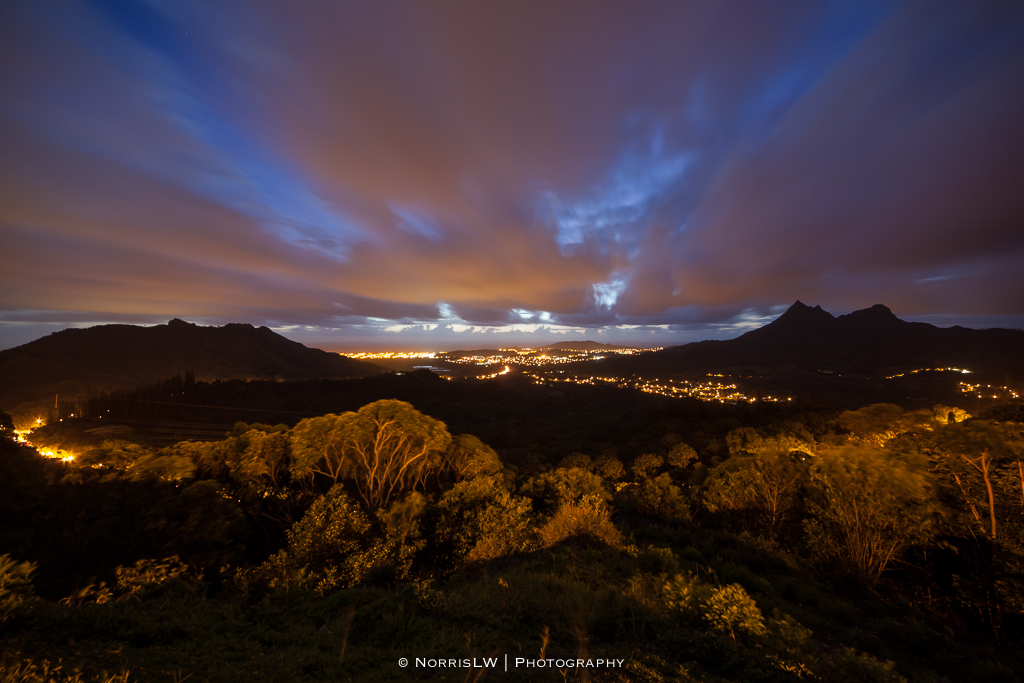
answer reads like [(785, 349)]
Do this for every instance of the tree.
[(984, 447), (870, 504), (393, 447), (479, 519), (386, 447), (647, 464), (326, 548), (880, 423), (681, 455), (318, 446), (468, 457), (565, 486), (266, 454), (766, 482)]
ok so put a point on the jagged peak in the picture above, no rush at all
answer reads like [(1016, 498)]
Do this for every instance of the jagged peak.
[(801, 311)]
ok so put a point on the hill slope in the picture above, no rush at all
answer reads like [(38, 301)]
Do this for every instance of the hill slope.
[(74, 362)]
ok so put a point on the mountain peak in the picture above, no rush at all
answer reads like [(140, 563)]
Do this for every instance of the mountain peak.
[(801, 313), (876, 317)]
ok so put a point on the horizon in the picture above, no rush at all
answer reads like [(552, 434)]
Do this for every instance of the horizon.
[(489, 339), (407, 175)]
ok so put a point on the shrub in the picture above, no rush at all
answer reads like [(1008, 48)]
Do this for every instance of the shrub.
[(148, 574), (851, 666), (15, 585), (585, 518), (565, 485), (478, 519), (727, 610), (684, 593), (609, 468), (645, 465), (657, 497), (575, 459), (325, 548), (731, 609)]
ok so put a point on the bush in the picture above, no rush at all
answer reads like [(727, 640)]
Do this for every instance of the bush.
[(478, 519), (585, 518), (731, 609), (15, 585), (851, 666), (15, 670), (149, 574), (657, 497), (565, 486), (325, 548), (727, 610)]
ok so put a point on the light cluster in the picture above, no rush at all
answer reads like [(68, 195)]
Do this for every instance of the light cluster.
[(59, 454), (987, 390), (541, 357), (914, 372), (708, 390), (385, 355)]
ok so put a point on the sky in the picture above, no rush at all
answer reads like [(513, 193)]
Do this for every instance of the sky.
[(439, 175)]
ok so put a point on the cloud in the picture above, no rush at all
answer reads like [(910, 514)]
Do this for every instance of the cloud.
[(679, 169)]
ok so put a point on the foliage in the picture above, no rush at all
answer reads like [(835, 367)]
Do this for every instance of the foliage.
[(977, 454), (681, 455), (17, 670), (479, 520), (149, 574), (565, 485), (15, 585), (728, 610), (869, 505), (386, 447), (468, 457), (767, 483), (647, 464), (327, 548), (349, 585), (655, 497), (587, 517), (608, 468), (576, 459), (850, 666), (877, 424), (318, 446)]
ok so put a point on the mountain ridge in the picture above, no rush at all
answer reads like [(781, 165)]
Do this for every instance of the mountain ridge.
[(871, 341), (78, 361)]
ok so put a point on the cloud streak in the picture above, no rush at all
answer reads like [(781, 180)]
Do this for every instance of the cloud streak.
[(419, 172)]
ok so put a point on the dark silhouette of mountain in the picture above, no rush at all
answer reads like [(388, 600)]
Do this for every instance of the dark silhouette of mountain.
[(75, 362), (872, 341)]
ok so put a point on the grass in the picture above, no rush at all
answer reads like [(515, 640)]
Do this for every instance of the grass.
[(576, 599)]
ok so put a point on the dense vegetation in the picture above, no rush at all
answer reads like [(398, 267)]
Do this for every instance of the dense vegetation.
[(409, 517)]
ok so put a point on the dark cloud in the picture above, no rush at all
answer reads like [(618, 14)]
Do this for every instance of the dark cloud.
[(411, 170)]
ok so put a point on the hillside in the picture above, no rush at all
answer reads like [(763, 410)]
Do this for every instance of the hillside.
[(75, 362)]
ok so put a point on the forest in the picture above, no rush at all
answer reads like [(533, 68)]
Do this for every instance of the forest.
[(314, 531)]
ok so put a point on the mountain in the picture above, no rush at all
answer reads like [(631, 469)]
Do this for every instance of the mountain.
[(806, 341), (75, 362), (869, 340)]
